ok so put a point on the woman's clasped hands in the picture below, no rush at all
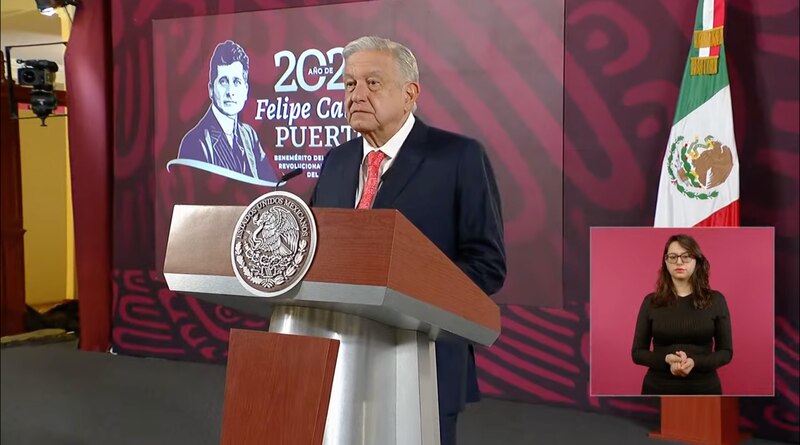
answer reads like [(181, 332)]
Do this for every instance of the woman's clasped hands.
[(679, 363)]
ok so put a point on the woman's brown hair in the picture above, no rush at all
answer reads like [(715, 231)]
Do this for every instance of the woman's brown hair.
[(665, 294)]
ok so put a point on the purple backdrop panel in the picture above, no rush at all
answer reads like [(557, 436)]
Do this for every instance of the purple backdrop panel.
[(625, 263), (152, 321)]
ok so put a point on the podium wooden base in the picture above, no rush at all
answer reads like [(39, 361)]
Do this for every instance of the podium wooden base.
[(277, 388), (700, 420)]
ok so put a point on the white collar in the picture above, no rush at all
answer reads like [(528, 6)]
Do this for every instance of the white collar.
[(227, 123), (392, 146)]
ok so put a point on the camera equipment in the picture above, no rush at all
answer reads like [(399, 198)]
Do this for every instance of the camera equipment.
[(39, 74)]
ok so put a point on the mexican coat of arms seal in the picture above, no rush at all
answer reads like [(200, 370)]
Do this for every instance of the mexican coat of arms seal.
[(696, 167), (273, 244)]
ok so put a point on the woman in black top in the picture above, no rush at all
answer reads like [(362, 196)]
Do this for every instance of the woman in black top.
[(688, 323)]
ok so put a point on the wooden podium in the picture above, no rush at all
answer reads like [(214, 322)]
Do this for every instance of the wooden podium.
[(378, 286), (701, 420)]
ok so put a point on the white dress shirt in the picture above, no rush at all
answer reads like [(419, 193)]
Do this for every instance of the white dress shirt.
[(227, 123), (390, 149)]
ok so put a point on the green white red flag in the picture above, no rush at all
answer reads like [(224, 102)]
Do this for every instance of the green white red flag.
[(699, 183)]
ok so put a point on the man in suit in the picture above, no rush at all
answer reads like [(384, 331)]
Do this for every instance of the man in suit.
[(220, 138), (442, 182)]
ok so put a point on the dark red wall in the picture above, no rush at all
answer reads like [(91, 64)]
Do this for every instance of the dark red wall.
[(87, 60)]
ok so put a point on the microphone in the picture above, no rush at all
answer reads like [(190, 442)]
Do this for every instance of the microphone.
[(286, 177)]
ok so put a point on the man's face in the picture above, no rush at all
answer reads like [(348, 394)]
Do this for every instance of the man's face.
[(229, 90), (376, 99)]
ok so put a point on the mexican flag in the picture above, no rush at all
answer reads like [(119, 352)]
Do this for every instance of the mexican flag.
[(699, 183)]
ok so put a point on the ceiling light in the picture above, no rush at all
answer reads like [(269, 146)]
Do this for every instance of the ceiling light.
[(48, 7)]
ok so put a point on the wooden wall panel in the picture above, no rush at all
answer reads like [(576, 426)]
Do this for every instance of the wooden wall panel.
[(12, 247)]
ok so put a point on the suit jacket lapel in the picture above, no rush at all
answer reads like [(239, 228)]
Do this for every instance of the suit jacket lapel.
[(350, 173), (411, 154), (217, 137)]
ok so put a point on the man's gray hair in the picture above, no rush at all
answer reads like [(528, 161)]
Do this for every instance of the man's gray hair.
[(406, 62)]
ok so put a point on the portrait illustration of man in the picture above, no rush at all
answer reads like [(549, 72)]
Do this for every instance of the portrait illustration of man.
[(220, 138)]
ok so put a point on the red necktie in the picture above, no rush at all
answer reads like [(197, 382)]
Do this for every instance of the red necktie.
[(374, 159)]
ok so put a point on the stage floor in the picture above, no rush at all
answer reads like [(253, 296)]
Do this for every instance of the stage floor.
[(54, 394)]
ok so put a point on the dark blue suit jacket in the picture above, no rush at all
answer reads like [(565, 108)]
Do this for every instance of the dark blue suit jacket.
[(443, 183)]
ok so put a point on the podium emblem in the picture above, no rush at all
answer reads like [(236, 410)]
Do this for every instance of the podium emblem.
[(273, 244)]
